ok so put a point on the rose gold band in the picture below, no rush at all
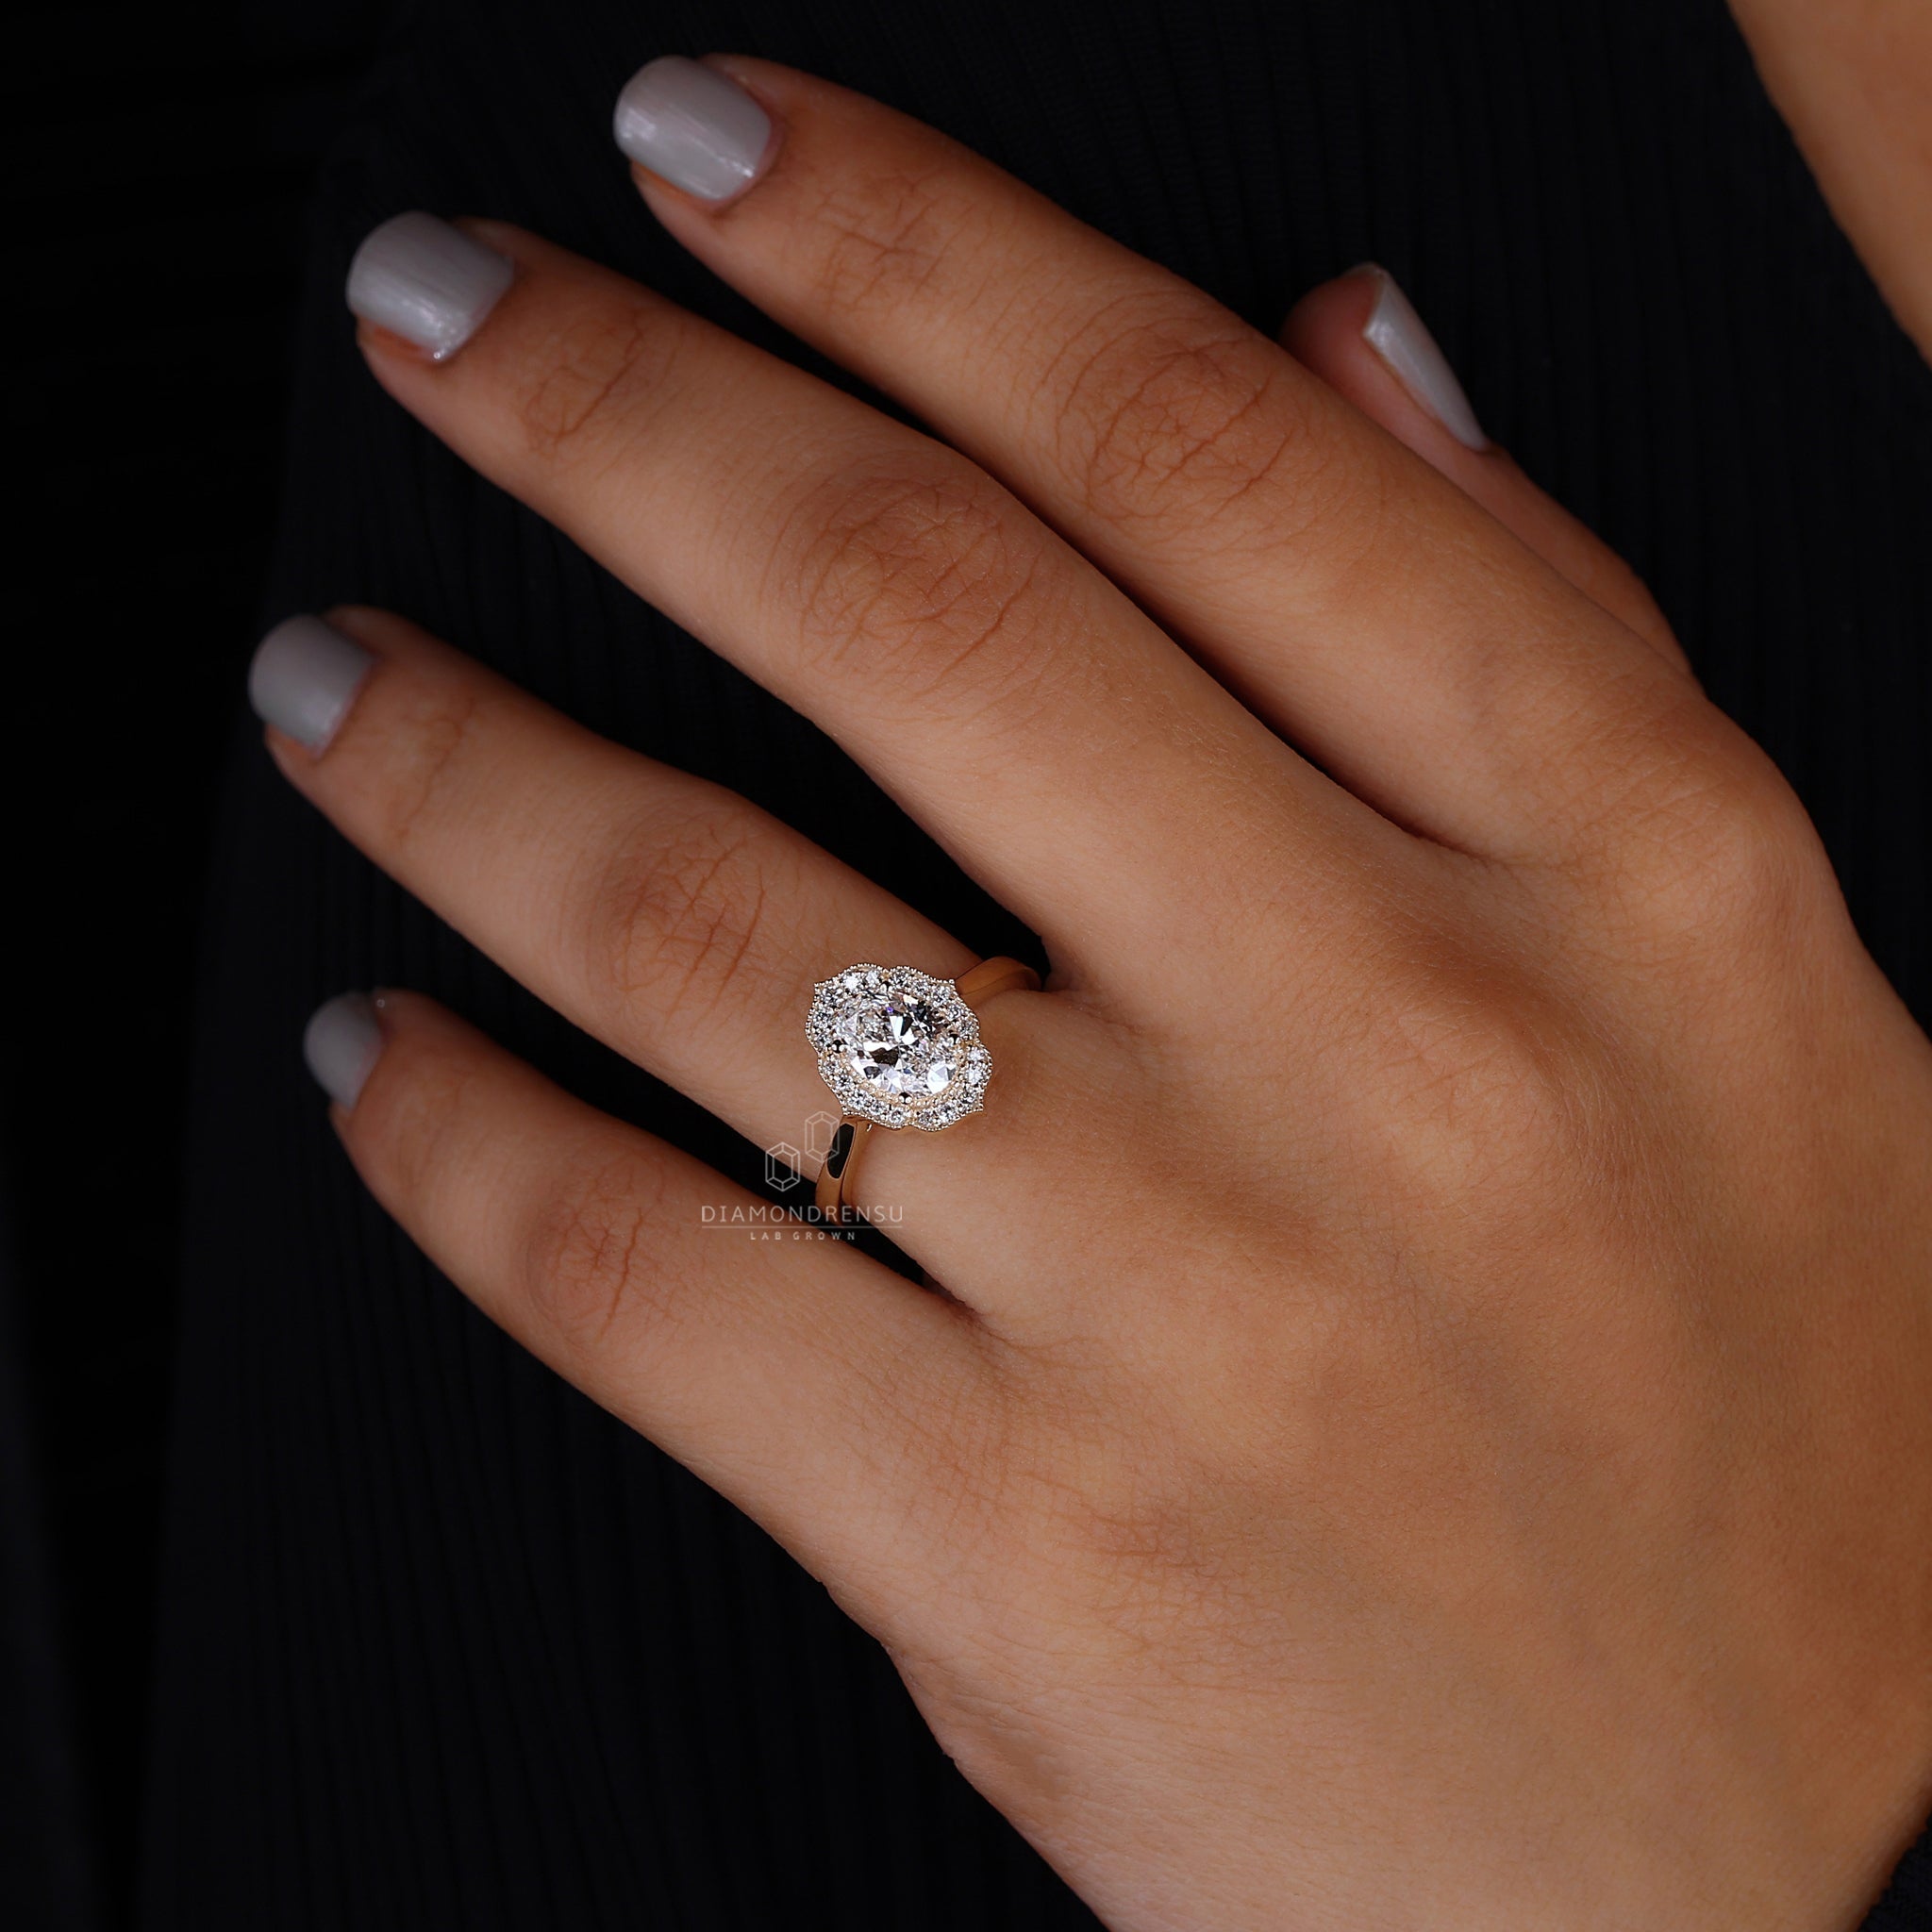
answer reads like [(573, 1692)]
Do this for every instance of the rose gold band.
[(838, 1177), (992, 977)]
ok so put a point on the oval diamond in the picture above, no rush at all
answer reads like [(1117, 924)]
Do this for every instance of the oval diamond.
[(898, 1046)]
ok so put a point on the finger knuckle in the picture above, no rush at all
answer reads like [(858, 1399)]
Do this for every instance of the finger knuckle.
[(1175, 411), (590, 1265), (884, 234), (678, 925), (1723, 849), (430, 736), (921, 582), (599, 366), (1492, 1083)]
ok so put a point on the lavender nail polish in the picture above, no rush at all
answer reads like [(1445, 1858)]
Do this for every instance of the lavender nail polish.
[(688, 122), (1399, 336), (304, 678), (341, 1044), (427, 282)]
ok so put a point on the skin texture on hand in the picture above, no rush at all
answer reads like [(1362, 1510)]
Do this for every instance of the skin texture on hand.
[(1853, 78), (1428, 1426)]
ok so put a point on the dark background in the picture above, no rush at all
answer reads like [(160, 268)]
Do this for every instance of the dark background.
[(156, 166), (157, 163)]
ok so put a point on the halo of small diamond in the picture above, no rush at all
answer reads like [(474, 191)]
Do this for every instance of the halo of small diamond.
[(898, 1047)]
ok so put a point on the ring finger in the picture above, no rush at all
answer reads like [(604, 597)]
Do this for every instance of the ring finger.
[(664, 914)]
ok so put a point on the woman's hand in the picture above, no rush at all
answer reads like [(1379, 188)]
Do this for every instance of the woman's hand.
[(1431, 1422)]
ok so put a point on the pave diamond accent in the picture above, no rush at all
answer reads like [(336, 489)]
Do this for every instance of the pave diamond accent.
[(898, 1047)]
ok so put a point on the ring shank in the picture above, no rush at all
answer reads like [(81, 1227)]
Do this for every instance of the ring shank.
[(992, 977), (838, 1178)]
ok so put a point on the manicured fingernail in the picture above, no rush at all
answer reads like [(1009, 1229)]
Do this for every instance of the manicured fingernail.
[(341, 1043), (1396, 333), (427, 282), (686, 122), (303, 680)]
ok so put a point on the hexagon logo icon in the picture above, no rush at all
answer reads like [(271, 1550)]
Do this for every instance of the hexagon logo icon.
[(783, 1165)]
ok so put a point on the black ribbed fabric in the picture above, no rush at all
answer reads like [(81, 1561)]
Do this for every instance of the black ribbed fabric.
[(1906, 1906), (443, 1644), (47, 1880)]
